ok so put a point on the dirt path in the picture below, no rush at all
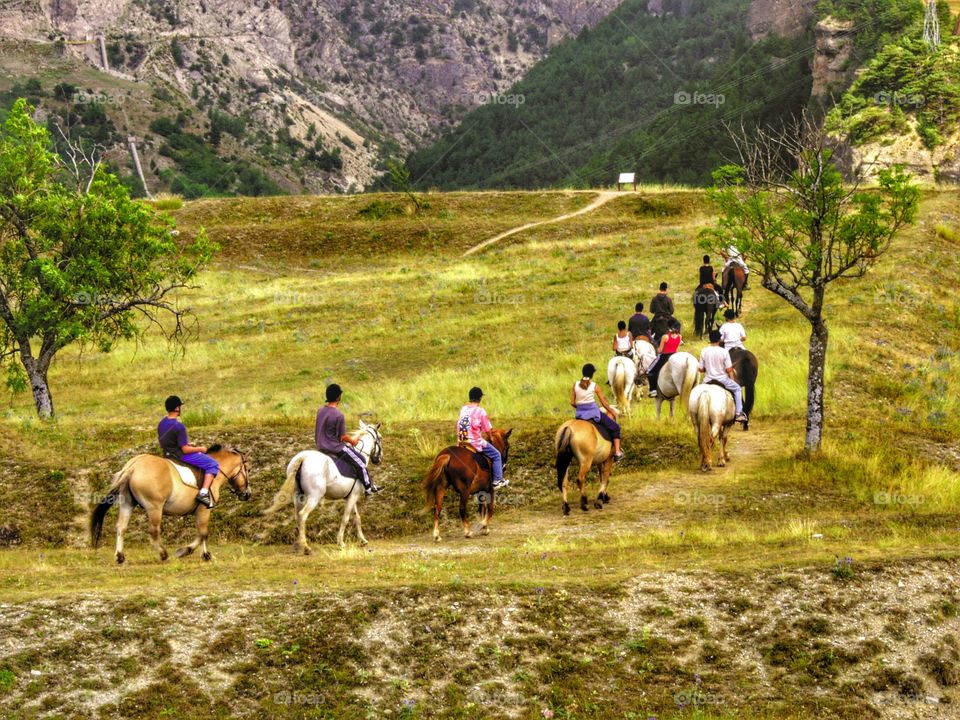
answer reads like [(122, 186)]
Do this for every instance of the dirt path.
[(603, 197)]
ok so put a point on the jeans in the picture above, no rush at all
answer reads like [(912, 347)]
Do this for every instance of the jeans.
[(491, 452), (202, 461), (733, 386)]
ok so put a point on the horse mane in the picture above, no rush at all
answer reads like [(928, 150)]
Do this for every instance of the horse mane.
[(214, 448)]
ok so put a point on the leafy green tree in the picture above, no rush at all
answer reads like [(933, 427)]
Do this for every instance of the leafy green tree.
[(786, 207), (80, 262)]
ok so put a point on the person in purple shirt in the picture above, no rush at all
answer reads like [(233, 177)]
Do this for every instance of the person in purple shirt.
[(172, 435), (332, 438)]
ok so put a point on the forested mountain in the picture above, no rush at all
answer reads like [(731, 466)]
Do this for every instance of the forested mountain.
[(651, 90)]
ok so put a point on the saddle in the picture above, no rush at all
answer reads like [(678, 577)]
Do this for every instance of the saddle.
[(190, 474), (483, 462)]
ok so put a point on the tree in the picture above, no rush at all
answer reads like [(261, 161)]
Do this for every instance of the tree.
[(80, 262), (785, 205)]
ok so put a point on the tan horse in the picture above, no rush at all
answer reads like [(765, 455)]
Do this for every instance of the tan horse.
[(581, 439), (711, 409), (154, 484)]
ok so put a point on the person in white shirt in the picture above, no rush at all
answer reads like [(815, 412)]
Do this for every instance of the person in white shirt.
[(732, 333), (715, 364)]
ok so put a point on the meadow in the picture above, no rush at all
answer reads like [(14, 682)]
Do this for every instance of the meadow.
[(781, 586)]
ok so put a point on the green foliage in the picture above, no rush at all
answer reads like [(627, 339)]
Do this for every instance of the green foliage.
[(605, 102), (905, 79), (77, 266), (876, 22)]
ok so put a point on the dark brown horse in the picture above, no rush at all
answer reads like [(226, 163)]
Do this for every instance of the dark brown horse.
[(459, 468), (734, 280), (746, 366)]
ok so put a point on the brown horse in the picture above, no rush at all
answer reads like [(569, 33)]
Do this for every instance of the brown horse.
[(457, 468), (581, 439), (734, 280), (154, 484), (746, 366)]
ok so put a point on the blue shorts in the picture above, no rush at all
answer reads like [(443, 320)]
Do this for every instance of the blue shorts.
[(204, 462)]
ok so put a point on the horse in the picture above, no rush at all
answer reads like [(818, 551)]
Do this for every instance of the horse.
[(746, 366), (582, 439), (154, 484), (734, 280), (458, 468), (313, 476), (711, 409), (705, 305), (676, 379), (644, 354), (622, 374)]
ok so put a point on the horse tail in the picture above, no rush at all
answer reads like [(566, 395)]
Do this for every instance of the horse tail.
[(285, 493), (620, 385), (120, 485), (704, 431), (564, 453), (436, 475)]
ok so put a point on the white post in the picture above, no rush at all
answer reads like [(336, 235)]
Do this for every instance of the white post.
[(135, 156)]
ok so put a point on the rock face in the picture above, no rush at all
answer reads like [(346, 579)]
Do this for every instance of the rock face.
[(786, 18), (370, 77), (834, 43), (938, 166)]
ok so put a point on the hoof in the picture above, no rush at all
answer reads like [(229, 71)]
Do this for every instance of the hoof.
[(120, 558), (583, 504), (566, 508), (705, 468), (163, 556), (207, 557), (307, 550), (468, 534), (605, 498), (598, 504), (485, 531), (184, 551), (436, 538), (364, 542)]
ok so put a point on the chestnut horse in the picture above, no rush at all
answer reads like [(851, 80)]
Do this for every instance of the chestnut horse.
[(734, 280), (153, 483), (457, 468)]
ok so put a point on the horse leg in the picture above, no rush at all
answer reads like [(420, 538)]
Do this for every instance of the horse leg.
[(602, 497), (123, 518), (347, 509), (463, 513), (659, 403), (487, 513), (671, 408), (302, 513), (203, 531), (356, 517), (566, 486), (437, 508), (582, 482), (154, 515)]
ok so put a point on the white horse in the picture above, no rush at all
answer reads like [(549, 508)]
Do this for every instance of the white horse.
[(676, 379), (621, 374), (711, 410), (645, 354), (313, 477)]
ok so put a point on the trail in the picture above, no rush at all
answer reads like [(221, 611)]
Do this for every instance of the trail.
[(604, 196)]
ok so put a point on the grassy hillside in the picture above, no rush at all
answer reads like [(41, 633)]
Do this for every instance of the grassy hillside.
[(723, 591)]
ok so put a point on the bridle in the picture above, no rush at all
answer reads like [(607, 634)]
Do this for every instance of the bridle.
[(231, 479), (377, 451)]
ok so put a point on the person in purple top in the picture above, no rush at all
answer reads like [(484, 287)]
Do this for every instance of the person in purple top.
[(332, 438), (172, 435)]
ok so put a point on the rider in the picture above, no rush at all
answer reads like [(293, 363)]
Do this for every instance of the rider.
[(715, 364), (733, 257), (172, 435), (661, 303), (708, 278), (623, 341), (732, 333), (332, 438), (669, 344), (471, 425), (639, 324), (584, 397)]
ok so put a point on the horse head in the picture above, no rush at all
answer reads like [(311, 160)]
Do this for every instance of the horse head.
[(501, 441), (371, 442), (239, 479)]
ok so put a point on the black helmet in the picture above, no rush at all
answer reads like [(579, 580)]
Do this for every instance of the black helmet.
[(333, 392), (172, 403), (475, 394)]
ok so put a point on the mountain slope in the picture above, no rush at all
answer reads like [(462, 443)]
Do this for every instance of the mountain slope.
[(650, 90)]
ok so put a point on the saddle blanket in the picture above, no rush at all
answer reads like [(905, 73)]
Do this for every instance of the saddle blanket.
[(186, 474)]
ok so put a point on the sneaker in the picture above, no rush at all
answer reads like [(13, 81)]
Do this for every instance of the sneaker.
[(501, 483), (206, 499), (652, 393), (372, 490), (741, 418), (618, 457)]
